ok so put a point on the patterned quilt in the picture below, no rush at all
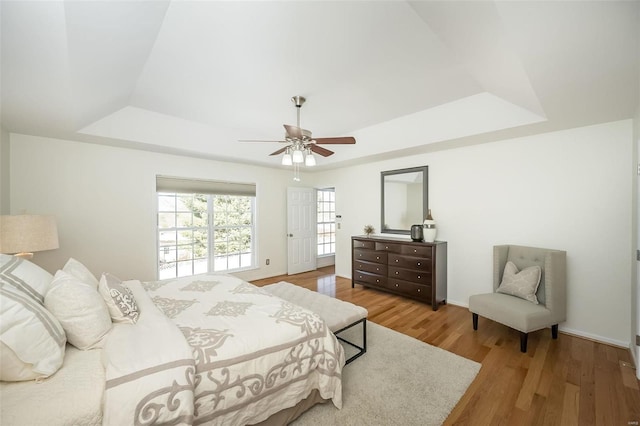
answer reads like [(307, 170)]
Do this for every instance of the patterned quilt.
[(252, 354)]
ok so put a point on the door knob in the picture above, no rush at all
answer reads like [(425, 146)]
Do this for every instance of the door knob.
[(291, 235)]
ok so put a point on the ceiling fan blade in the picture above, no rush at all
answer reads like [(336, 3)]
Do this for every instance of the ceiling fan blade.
[(280, 151), (256, 140), (297, 132), (319, 150), (342, 140), (293, 131)]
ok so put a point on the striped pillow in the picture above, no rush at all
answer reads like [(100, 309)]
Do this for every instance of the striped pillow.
[(29, 333)]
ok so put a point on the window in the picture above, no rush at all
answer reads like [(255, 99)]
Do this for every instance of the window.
[(326, 221), (199, 232)]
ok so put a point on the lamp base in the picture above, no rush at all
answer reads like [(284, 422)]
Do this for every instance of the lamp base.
[(25, 256)]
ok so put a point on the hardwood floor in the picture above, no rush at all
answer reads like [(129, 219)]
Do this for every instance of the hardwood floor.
[(569, 381)]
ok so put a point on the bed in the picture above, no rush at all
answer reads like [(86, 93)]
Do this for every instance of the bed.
[(209, 349)]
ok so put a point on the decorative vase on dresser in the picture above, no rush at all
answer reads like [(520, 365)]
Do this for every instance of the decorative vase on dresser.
[(409, 268)]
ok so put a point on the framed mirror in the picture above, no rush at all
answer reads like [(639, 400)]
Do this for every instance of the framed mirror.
[(405, 199)]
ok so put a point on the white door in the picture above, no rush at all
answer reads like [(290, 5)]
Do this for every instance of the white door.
[(301, 229)]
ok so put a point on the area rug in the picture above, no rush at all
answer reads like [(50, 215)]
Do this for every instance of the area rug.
[(398, 381)]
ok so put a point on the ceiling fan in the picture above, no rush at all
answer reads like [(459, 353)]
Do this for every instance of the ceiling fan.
[(300, 140)]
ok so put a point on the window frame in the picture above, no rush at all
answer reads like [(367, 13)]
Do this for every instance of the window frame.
[(331, 233), (210, 227)]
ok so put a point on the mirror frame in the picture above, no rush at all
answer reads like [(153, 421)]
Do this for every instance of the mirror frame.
[(425, 195)]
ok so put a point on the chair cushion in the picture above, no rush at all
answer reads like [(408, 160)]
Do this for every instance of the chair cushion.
[(511, 311), (522, 284)]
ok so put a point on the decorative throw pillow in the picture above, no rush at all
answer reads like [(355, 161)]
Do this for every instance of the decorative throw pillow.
[(122, 306), (80, 309), (522, 284), (25, 277), (30, 335), (81, 272)]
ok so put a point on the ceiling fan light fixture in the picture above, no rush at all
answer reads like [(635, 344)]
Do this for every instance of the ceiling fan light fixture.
[(286, 158), (309, 159), (297, 157)]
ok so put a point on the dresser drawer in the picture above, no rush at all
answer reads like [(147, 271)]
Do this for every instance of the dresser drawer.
[(389, 247), (419, 277), (370, 255), (364, 244), (415, 291), (365, 277), (415, 250), (409, 262), (375, 268)]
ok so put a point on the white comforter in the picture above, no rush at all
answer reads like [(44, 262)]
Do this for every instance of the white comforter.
[(221, 352)]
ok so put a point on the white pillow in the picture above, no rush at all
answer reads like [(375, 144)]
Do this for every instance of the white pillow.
[(24, 276), (522, 284), (122, 306), (81, 272), (30, 334), (80, 309)]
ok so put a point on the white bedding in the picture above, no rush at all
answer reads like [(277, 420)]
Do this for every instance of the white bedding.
[(255, 353), (207, 349), (35, 404)]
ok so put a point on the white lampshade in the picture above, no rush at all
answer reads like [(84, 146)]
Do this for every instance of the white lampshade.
[(297, 156), (286, 159), (310, 160), (24, 234)]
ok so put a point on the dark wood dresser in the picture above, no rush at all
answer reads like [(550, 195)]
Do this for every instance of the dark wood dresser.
[(397, 265)]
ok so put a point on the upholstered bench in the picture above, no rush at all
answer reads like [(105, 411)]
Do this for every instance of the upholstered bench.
[(338, 314)]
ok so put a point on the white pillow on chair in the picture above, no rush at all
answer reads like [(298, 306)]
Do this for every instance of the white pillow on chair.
[(522, 284)]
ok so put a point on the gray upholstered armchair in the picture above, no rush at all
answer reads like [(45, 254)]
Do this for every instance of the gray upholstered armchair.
[(516, 312)]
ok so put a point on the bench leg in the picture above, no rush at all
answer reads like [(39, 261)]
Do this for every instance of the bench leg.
[(362, 348)]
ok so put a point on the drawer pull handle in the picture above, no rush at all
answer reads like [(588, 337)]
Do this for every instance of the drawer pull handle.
[(377, 281), (360, 276), (377, 269), (418, 263), (396, 285), (415, 251), (386, 247), (419, 277), (377, 257), (397, 272), (418, 290), (396, 260)]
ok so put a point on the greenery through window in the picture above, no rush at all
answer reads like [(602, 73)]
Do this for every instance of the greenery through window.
[(326, 221), (199, 233)]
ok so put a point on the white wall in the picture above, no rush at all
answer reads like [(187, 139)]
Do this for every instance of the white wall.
[(566, 190), (4, 171), (105, 202)]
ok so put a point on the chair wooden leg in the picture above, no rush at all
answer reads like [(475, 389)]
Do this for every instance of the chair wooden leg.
[(475, 320), (554, 331), (523, 341)]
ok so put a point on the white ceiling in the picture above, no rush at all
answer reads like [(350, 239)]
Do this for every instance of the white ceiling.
[(193, 77)]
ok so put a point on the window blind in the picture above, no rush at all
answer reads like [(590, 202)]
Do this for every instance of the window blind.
[(201, 186)]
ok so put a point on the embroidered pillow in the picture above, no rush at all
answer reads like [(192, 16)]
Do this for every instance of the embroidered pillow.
[(122, 306), (82, 312), (522, 284), (81, 272)]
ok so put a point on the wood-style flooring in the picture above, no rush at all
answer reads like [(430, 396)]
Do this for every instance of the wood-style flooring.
[(568, 381)]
